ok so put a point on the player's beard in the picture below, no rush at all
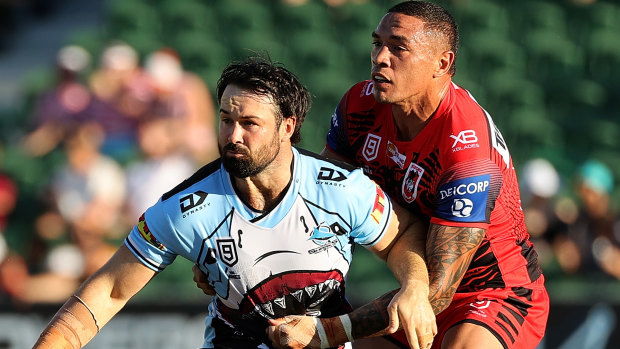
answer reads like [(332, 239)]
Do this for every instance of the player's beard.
[(249, 165)]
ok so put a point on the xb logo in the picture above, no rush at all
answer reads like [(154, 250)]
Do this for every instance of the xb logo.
[(192, 200), (464, 137)]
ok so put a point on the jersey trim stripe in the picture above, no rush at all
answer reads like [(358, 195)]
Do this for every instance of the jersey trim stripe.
[(146, 261)]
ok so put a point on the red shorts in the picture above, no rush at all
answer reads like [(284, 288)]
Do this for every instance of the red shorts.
[(516, 316)]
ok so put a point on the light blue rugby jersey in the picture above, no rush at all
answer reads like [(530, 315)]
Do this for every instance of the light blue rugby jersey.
[(290, 260)]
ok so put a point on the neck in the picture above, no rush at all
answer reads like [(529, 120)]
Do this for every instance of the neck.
[(264, 191), (411, 116)]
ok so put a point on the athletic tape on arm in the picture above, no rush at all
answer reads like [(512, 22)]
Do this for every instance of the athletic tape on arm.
[(321, 332)]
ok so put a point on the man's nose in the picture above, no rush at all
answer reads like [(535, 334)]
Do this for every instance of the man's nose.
[(380, 55), (235, 134)]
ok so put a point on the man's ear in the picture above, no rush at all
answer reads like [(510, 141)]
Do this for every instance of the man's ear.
[(288, 127), (444, 63)]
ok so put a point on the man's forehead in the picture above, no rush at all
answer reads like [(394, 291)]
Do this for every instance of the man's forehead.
[(398, 22), (237, 93), (405, 28)]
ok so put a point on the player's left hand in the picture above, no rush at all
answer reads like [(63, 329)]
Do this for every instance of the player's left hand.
[(293, 332), (411, 310), (202, 282)]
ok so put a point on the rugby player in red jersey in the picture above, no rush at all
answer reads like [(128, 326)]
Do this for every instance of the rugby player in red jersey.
[(436, 151)]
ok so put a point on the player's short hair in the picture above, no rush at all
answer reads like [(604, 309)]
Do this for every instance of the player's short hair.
[(264, 77), (436, 18)]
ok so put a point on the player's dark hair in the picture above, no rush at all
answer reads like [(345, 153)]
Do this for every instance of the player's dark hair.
[(436, 18), (271, 79)]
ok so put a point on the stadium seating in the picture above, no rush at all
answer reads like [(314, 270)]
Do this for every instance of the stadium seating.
[(603, 58)]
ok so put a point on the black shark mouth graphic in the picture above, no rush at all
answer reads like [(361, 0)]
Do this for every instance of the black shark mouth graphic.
[(293, 293)]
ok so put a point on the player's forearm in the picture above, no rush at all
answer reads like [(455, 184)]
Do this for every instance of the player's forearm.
[(104, 294), (72, 327), (406, 257), (369, 320), (81, 317), (449, 253)]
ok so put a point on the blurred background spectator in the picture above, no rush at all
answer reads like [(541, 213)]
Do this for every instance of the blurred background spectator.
[(184, 98), (123, 93), (60, 108), (161, 166), (590, 245)]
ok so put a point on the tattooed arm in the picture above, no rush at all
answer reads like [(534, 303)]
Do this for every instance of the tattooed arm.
[(449, 251)]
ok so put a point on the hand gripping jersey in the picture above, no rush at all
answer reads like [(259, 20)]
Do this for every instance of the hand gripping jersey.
[(291, 260), (457, 172)]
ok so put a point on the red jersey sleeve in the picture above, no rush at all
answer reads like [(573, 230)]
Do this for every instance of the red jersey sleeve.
[(471, 182)]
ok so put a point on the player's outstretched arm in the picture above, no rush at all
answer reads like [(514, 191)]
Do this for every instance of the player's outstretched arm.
[(96, 302), (408, 308)]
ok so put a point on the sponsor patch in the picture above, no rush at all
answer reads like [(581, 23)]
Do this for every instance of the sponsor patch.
[(147, 235), (395, 155), (379, 206), (464, 200)]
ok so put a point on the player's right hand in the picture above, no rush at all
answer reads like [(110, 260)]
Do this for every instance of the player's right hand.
[(293, 332), (202, 282), (411, 309)]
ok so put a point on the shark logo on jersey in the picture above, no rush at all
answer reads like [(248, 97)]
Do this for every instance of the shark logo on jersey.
[(326, 236)]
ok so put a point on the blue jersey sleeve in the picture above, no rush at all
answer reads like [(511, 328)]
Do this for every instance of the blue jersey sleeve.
[(149, 238), (372, 210)]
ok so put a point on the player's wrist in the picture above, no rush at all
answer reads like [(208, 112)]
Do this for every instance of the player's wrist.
[(336, 330), (418, 286), (71, 328)]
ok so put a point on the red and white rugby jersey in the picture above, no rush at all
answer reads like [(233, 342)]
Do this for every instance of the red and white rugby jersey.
[(457, 172)]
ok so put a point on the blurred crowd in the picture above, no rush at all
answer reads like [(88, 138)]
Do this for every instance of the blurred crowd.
[(126, 130), (574, 222)]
